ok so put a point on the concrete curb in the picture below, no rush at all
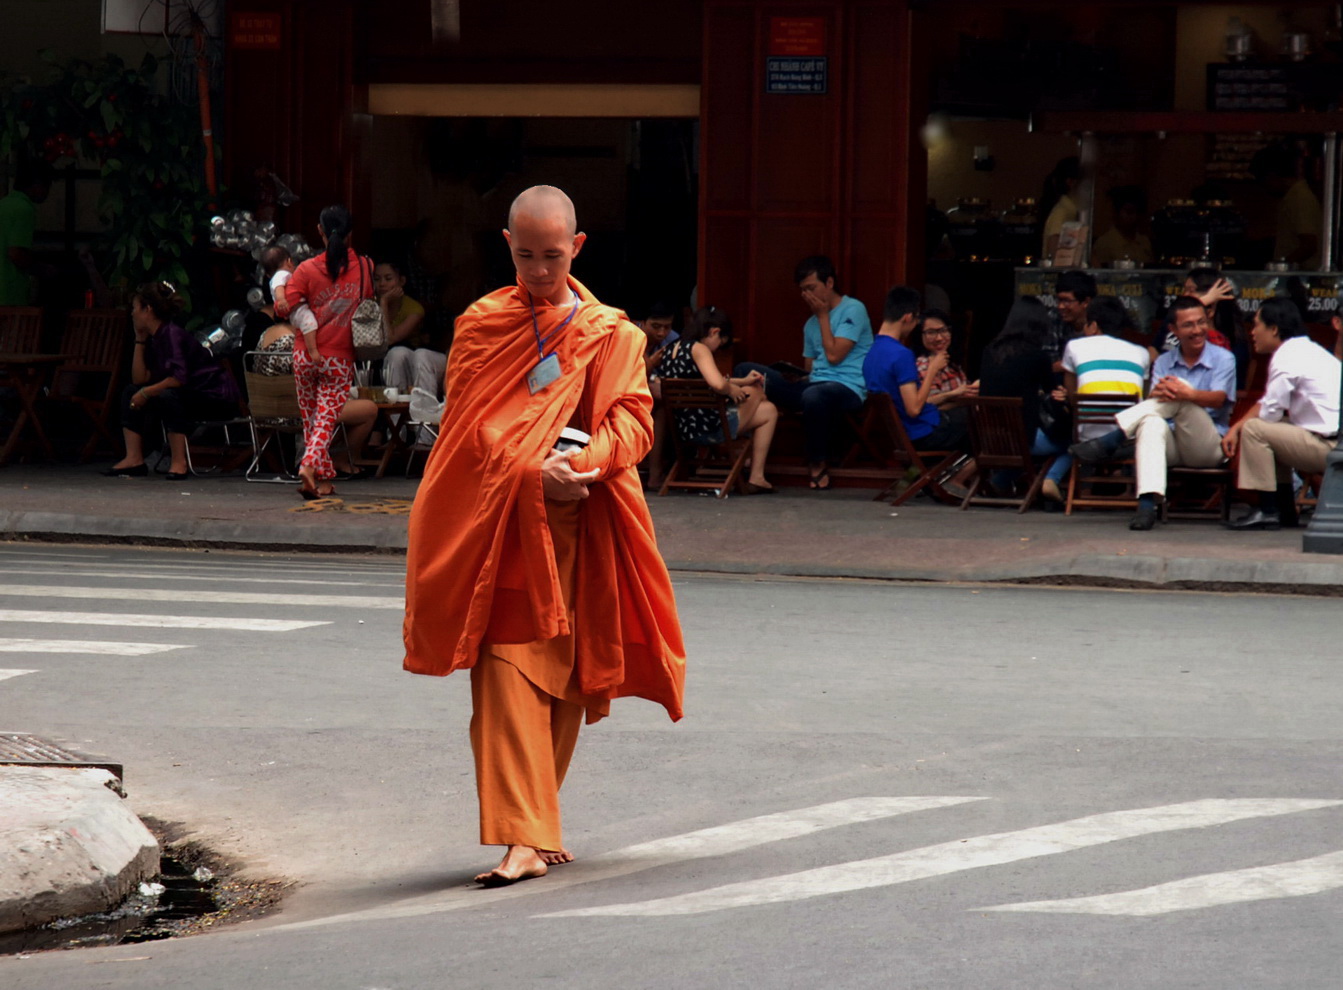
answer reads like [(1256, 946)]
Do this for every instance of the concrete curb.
[(69, 846), (381, 537), (1312, 577)]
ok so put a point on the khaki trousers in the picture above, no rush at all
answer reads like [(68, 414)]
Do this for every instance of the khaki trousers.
[(1269, 452), (523, 739), (1194, 442)]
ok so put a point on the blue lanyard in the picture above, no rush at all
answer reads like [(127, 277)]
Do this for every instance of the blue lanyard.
[(536, 329)]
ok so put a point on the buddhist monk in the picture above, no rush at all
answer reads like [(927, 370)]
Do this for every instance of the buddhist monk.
[(535, 567)]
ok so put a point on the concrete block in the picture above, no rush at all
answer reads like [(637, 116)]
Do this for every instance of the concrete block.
[(69, 845)]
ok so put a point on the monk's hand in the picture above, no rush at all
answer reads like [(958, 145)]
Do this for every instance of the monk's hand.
[(560, 482)]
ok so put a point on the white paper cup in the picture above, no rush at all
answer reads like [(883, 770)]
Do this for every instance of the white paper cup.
[(391, 394)]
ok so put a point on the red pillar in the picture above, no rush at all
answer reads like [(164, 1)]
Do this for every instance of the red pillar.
[(785, 176)]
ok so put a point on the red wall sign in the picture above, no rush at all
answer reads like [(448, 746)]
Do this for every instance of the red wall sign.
[(254, 31), (797, 36)]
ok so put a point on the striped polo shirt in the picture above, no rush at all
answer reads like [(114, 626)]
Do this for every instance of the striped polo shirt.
[(1105, 364)]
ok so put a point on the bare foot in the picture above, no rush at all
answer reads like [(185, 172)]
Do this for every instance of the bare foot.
[(519, 863), (556, 857), (307, 481)]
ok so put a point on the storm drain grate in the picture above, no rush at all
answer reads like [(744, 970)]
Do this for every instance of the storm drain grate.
[(27, 750)]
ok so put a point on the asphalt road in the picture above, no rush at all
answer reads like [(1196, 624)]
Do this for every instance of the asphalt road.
[(876, 785)]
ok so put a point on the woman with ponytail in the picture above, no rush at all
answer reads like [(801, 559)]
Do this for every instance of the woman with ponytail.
[(332, 284)]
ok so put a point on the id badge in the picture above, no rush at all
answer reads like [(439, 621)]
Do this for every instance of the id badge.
[(546, 372)]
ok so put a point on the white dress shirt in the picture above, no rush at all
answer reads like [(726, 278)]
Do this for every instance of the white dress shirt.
[(1303, 383)]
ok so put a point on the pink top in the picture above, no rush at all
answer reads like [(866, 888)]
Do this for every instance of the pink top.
[(333, 303)]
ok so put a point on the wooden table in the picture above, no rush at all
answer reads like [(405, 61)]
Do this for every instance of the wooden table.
[(28, 375)]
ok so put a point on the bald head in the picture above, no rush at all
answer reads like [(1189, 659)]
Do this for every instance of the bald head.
[(544, 204)]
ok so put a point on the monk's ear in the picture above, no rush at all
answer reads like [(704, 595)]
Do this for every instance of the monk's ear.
[(508, 238), (579, 238)]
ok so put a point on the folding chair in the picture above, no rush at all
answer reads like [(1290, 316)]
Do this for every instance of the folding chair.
[(885, 427), (1086, 486), (272, 405), (91, 377), (998, 442), (196, 439), (20, 329), (714, 467), (1198, 493)]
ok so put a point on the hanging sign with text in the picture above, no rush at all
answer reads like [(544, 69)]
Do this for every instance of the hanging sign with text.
[(254, 31), (796, 62)]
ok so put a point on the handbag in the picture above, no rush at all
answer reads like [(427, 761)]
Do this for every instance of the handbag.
[(368, 330)]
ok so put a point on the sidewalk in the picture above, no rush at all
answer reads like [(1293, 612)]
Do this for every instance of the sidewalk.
[(841, 533)]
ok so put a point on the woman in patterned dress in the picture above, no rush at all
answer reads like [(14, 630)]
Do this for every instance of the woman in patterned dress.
[(692, 356)]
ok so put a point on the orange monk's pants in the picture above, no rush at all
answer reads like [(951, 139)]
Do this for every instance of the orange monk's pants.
[(523, 739)]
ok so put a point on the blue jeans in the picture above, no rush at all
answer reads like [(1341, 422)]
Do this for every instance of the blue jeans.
[(823, 406), (1042, 446)]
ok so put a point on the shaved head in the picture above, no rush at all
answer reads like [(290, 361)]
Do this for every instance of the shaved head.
[(543, 203)]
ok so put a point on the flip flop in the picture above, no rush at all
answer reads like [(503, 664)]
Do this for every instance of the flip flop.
[(815, 484), (753, 489)]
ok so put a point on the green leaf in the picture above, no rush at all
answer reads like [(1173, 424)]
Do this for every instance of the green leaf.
[(109, 116), (148, 260)]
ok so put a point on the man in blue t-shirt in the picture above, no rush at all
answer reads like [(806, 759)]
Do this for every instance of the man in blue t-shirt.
[(834, 342), (890, 367)]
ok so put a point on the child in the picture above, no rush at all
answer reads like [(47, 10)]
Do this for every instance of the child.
[(278, 265)]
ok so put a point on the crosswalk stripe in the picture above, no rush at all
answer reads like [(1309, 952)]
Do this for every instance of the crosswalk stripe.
[(217, 597), (719, 840), (159, 621), (86, 646), (150, 575), (1259, 883), (6, 674), (957, 856)]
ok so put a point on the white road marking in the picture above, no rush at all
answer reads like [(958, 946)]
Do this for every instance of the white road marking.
[(143, 575), (159, 621), (217, 597), (5, 674), (1258, 883), (720, 840), (957, 856), (86, 646)]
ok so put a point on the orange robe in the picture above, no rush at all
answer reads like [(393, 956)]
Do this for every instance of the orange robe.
[(481, 565)]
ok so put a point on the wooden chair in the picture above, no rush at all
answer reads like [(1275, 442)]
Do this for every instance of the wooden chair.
[(20, 329), (91, 377), (1085, 486), (998, 442), (706, 467), (885, 427), (1198, 493)]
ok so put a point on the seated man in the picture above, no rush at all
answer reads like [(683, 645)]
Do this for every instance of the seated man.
[(1101, 363), (1185, 416), (657, 327), (1294, 425), (1074, 292), (890, 367), (834, 342)]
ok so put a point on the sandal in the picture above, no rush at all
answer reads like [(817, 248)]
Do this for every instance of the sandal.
[(754, 489), (820, 482)]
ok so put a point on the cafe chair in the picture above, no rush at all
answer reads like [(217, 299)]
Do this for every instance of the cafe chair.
[(1111, 484), (273, 413), (998, 442), (20, 329), (884, 428), (91, 377), (717, 467)]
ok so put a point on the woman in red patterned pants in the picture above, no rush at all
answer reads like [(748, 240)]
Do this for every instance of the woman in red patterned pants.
[(332, 284)]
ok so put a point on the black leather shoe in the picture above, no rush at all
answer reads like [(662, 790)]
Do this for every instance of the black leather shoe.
[(135, 471), (1256, 519), (1144, 519)]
